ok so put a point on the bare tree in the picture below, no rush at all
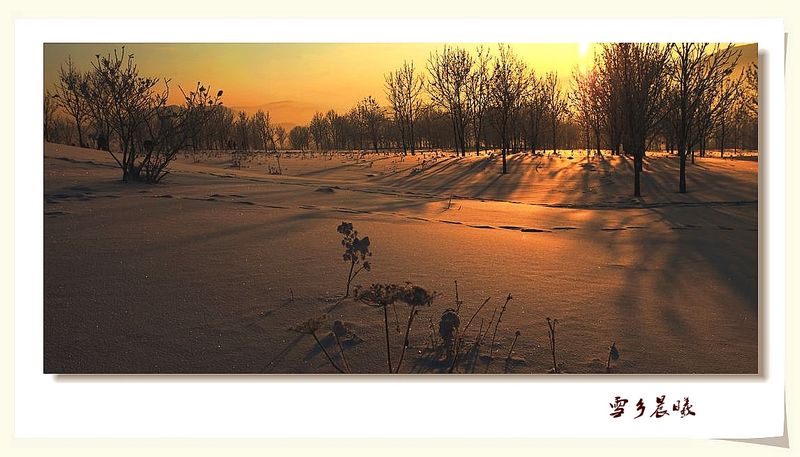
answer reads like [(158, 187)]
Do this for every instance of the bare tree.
[(727, 96), (741, 116), (751, 89), (318, 128), (194, 119), (611, 98), (697, 69), (744, 115), (357, 130), (50, 106), (534, 111), (508, 88), (433, 126), (174, 129), (263, 129), (223, 122), (371, 117), (342, 130), (298, 137), (587, 104), (68, 96), (556, 105), (128, 103), (479, 94), (98, 98), (637, 74), (280, 136), (403, 90), (447, 86), (149, 133)]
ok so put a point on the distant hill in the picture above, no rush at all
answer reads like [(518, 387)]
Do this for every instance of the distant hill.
[(749, 55), (250, 111), (287, 113)]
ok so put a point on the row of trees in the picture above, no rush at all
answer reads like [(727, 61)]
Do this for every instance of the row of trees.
[(636, 96), (678, 93), (474, 91)]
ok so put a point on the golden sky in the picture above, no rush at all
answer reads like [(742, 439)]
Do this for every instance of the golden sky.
[(293, 80)]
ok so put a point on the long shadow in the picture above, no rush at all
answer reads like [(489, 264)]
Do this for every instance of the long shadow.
[(719, 248), (511, 181), (437, 168), (453, 183)]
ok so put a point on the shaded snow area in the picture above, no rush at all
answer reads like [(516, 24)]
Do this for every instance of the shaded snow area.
[(207, 271)]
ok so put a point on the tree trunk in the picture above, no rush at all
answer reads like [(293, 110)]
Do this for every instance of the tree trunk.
[(503, 146), (411, 132), (682, 185), (403, 137), (636, 171), (588, 143), (461, 140), (455, 135), (597, 143), (478, 140), (702, 146), (80, 133)]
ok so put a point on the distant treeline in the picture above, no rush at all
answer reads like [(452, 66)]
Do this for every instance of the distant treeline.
[(683, 98)]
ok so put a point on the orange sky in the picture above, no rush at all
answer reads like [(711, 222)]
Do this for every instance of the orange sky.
[(293, 80)]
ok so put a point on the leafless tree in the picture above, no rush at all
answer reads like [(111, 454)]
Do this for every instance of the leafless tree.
[(741, 116), (50, 107), (243, 128), (371, 117), (263, 129), (149, 133), (403, 90), (224, 120), (298, 137), (68, 96), (433, 127), (728, 94), (508, 88), (751, 89), (637, 75), (339, 129), (175, 129), (318, 128), (613, 118), (357, 128), (98, 98), (447, 86), (218, 129), (61, 130), (534, 110), (556, 105), (280, 136), (587, 104), (696, 70), (127, 102), (479, 94)]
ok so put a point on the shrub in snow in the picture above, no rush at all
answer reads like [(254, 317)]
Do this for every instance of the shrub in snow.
[(383, 295), (356, 251)]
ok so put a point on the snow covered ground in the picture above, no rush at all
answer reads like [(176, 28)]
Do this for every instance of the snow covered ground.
[(206, 272)]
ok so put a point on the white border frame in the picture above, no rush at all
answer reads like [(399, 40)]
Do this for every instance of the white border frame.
[(290, 406)]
